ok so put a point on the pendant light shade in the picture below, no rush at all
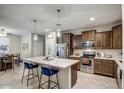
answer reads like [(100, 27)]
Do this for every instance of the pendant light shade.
[(35, 37), (3, 33), (58, 25), (58, 31)]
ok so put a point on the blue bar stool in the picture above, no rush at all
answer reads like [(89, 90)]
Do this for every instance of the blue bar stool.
[(29, 67), (49, 72)]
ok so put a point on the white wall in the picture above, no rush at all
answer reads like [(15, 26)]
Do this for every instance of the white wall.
[(38, 48), (26, 38), (50, 43), (15, 43)]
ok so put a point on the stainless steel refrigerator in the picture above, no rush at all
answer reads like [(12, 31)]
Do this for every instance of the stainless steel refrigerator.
[(62, 50)]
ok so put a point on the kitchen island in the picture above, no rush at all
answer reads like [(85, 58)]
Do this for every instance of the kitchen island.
[(67, 69)]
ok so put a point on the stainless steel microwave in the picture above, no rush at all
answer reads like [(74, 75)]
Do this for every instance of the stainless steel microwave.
[(88, 44)]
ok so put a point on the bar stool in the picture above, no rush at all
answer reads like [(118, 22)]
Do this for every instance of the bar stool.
[(49, 72), (29, 67)]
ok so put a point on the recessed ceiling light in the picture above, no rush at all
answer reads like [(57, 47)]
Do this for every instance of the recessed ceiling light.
[(92, 19), (47, 30)]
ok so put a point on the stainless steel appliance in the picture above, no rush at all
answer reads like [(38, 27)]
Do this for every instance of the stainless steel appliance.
[(88, 44), (62, 50), (87, 64)]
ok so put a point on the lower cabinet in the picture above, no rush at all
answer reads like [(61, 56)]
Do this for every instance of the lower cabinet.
[(0, 66), (105, 67), (73, 75), (78, 64), (97, 66)]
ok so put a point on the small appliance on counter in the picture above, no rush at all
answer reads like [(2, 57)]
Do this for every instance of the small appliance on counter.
[(87, 64), (100, 54)]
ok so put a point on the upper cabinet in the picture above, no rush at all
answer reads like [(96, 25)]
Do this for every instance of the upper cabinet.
[(98, 40), (59, 40), (103, 40), (68, 38), (117, 37), (77, 41), (107, 40), (88, 35)]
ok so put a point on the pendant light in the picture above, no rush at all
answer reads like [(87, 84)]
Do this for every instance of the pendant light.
[(3, 33), (58, 25), (35, 34)]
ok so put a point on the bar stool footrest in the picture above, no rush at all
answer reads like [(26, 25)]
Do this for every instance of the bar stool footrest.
[(47, 82)]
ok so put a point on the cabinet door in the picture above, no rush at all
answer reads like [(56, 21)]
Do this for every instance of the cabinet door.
[(84, 36), (73, 74), (0, 66), (115, 69), (117, 37), (107, 40), (107, 67), (97, 66), (59, 40), (78, 64), (91, 35), (77, 41), (98, 40), (65, 38)]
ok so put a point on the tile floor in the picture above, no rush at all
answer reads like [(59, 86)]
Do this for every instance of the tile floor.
[(12, 80)]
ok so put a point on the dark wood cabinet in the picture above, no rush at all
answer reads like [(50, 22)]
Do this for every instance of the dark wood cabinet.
[(88, 35), (103, 40), (107, 40), (84, 36), (66, 38), (78, 64), (73, 74), (97, 66), (115, 70), (91, 35), (0, 66), (59, 40), (77, 41), (98, 40), (117, 37), (105, 67)]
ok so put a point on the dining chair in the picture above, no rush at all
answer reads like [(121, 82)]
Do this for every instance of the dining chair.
[(8, 61), (18, 60)]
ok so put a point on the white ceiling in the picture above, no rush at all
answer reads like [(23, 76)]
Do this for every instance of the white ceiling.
[(19, 18)]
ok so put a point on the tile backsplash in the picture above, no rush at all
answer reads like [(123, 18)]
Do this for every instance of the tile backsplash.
[(113, 52)]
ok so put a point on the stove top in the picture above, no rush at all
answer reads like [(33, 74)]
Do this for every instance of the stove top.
[(88, 54)]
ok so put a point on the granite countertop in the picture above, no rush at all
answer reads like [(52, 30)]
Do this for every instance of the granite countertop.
[(56, 62), (117, 60)]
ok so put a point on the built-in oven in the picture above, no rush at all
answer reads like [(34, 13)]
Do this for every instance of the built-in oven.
[(87, 64), (88, 44)]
